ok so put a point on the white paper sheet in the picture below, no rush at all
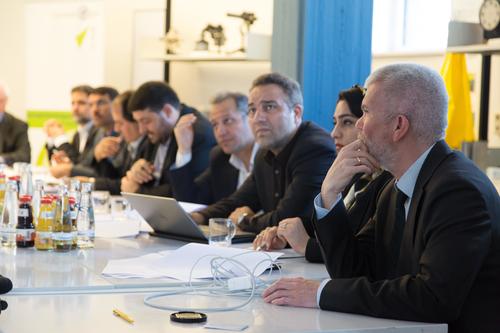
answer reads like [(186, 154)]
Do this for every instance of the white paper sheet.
[(177, 264)]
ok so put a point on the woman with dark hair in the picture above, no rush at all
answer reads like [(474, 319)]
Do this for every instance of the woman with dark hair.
[(291, 231)]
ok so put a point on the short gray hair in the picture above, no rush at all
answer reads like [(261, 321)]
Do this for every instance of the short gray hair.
[(418, 93), (239, 99), (290, 87)]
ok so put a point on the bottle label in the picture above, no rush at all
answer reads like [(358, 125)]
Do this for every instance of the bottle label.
[(46, 215), (25, 235), (62, 236), (23, 212), (74, 214), (2, 186), (43, 234)]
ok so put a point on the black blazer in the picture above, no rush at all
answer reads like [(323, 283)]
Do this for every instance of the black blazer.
[(285, 185), (202, 144), (360, 212), (449, 263), (86, 164), (14, 143), (72, 149), (218, 181)]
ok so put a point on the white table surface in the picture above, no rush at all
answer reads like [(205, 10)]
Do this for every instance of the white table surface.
[(65, 292)]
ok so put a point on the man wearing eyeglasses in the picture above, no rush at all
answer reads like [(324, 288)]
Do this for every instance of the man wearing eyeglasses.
[(290, 166)]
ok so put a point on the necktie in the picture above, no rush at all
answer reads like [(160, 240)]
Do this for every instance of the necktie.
[(399, 199)]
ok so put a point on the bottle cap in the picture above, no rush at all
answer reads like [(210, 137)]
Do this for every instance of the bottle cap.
[(46, 200), (188, 317), (16, 178), (72, 200), (25, 198)]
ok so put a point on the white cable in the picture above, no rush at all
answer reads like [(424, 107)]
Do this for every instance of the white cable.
[(220, 274)]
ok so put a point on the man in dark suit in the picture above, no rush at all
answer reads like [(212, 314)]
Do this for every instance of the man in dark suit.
[(231, 161), (431, 251), (115, 157), (14, 143), (82, 142), (157, 109), (290, 166), (100, 100)]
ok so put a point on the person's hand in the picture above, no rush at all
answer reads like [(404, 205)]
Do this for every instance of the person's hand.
[(128, 185), (53, 128), (292, 291), (184, 133), (351, 160), (240, 213), (107, 147), (141, 172), (292, 231), (198, 218), (268, 240), (59, 157), (61, 170)]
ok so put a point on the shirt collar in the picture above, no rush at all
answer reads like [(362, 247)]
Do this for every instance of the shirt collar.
[(284, 154), (406, 183), (85, 128), (238, 163)]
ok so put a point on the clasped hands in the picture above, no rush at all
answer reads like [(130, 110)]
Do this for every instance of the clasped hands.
[(141, 172)]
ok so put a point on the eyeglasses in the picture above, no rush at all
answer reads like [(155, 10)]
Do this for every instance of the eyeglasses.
[(362, 89)]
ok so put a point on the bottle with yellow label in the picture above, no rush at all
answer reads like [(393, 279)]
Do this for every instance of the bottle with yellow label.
[(43, 239)]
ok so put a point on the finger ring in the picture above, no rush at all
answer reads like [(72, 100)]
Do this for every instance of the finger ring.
[(358, 159)]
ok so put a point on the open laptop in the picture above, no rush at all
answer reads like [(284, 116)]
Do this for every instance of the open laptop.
[(169, 220)]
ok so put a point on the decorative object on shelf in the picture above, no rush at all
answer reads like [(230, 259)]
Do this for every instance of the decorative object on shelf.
[(248, 19), (217, 34), (172, 41), (489, 18)]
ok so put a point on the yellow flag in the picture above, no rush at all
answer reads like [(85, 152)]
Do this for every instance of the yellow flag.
[(460, 118)]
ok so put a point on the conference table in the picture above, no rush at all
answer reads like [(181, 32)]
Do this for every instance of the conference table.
[(66, 292)]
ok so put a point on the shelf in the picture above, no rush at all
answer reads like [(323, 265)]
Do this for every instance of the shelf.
[(492, 48), (204, 57)]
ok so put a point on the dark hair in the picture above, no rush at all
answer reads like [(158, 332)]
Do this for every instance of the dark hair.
[(109, 91), (239, 99), (123, 99), (86, 89), (353, 98), (153, 95), (290, 87)]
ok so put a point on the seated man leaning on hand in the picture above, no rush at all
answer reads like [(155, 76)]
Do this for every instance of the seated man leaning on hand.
[(164, 119), (293, 159), (431, 251), (231, 161)]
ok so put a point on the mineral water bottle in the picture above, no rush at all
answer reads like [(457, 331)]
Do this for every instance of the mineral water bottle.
[(85, 222), (62, 236), (9, 215)]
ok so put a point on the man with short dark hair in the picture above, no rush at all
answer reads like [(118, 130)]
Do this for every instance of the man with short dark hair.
[(14, 143), (100, 101), (431, 250), (293, 159), (231, 161), (82, 142), (162, 117)]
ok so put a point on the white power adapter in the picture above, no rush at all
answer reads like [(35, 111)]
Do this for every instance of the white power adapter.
[(239, 283)]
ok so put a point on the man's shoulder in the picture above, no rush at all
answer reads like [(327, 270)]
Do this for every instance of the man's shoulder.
[(14, 121), (312, 137)]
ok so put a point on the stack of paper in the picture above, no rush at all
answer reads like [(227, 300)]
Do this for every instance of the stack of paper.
[(197, 258)]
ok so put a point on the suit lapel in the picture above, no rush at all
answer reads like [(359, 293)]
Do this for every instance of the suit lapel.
[(437, 154)]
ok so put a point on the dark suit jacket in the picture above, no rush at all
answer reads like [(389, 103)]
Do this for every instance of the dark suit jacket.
[(218, 181), (72, 149), (360, 212), (14, 143), (113, 170), (202, 144), (86, 165), (449, 263), (282, 186)]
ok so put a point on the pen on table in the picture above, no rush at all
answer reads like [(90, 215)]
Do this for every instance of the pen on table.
[(261, 247), (123, 316)]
